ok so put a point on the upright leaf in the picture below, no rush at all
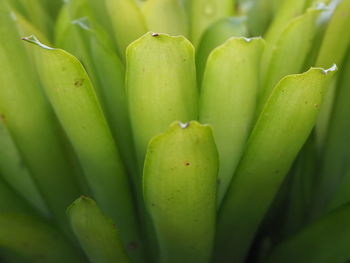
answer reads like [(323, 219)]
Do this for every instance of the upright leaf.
[(70, 91), (166, 16), (12, 202), (336, 154), (228, 99), (180, 191), (15, 172), (326, 240), (161, 86), (32, 240), (337, 37), (333, 50), (203, 13), (216, 35), (32, 123), (281, 130), (97, 234), (293, 45), (287, 11), (127, 21)]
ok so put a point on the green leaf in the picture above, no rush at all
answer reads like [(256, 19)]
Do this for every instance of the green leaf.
[(166, 16), (33, 240), (228, 100), (161, 86), (302, 183), (32, 123), (326, 240), (203, 13), (337, 37), (342, 195), (102, 62), (259, 16), (37, 15), (281, 130), (110, 72), (180, 191), (26, 28), (216, 35), (96, 233), (333, 50), (72, 96), (15, 172), (128, 25), (335, 160), (286, 12), (293, 45), (11, 201), (100, 14)]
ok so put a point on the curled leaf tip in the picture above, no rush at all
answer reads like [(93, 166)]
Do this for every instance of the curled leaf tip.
[(184, 125), (33, 40), (331, 69)]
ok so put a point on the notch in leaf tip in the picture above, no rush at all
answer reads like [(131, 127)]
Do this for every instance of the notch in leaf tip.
[(184, 125)]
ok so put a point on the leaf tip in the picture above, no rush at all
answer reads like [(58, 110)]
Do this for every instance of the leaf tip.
[(34, 40), (333, 68), (184, 125)]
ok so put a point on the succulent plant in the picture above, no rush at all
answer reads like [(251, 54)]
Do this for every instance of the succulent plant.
[(174, 131)]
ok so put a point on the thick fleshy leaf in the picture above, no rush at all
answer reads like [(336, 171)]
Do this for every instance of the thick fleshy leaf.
[(30, 239), (342, 195), (180, 191), (97, 234), (93, 47), (100, 14), (37, 15), (32, 123), (334, 47), (336, 153), (25, 28), (203, 13), (127, 21), (281, 130), (326, 240), (288, 10), (166, 16), (15, 172), (216, 35), (302, 182), (337, 37), (110, 72), (293, 45), (228, 100), (72, 96), (161, 86), (12, 202), (259, 16)]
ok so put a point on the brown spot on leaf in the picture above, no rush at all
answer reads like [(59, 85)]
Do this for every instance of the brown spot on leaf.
[(79, 82), (187, 163)]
